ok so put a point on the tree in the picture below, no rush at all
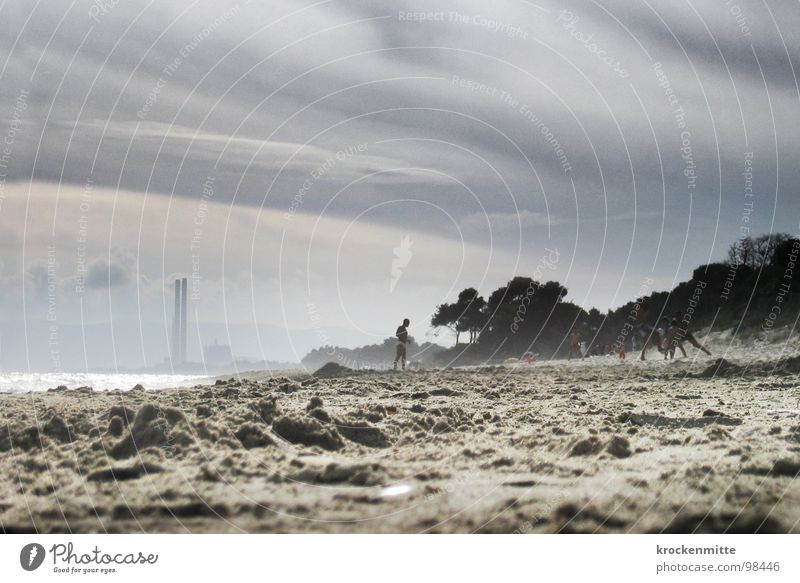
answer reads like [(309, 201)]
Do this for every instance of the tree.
[(786, 251), (767, 245), (467, 314), (473, 313), (743, 252), (524, 312), (446, 316)]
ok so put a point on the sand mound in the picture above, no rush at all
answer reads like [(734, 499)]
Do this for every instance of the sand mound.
[(307, 432), (289, 386), (332, 370), (721, 368), (321, 415), (731, 523), (790, 365), (363, 433), (783, 467), (619, 447), (252, 435), (27, 439), (119, 473), (589, 446), (357, 474), (710, 417), (574, 518), (58, 429), (268, 409), (444, 393), (126, 414), (315, 403), (153, 427)]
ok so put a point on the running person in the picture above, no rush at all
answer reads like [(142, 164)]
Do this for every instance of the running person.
[(685, 334), (402, 340), (673, 340), (665, 336)]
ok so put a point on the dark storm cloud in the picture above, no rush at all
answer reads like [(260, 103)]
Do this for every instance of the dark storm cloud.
[(129, 67), (155, 97), (504, 116)]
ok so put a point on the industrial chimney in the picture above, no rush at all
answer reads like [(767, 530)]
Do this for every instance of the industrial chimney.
[(184, 326), (179, 322), (176, 325)]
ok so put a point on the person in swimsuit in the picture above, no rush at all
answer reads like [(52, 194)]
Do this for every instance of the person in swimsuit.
[(402, 340), (574, 344)]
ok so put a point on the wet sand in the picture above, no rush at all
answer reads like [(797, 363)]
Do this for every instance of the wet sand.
[(593, 446)]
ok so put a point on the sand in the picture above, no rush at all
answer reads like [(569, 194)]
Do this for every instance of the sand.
[(592, 446)]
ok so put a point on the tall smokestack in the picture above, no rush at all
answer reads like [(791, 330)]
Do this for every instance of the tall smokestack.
[(176, 325), (184, 327)]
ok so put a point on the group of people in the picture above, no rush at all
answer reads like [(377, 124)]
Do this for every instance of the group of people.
[(669, 335)]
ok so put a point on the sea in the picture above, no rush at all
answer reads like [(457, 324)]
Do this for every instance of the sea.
[(23, 382)]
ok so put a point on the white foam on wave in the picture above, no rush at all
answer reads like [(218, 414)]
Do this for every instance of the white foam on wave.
[(18, 382)]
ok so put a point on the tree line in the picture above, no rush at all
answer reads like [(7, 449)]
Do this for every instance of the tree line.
[(755, 290)]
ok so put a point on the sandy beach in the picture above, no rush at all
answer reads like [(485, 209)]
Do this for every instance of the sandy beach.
[(592, 446)]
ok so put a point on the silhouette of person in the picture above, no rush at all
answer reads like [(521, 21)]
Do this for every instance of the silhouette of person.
[(672, 340), (402, 340), (666, 334), (575, 344), (683, 333), (649, 335)]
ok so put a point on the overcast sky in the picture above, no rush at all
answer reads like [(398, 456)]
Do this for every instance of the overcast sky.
[(328, 168)]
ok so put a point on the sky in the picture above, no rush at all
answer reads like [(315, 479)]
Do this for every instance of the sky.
[(321, 170)]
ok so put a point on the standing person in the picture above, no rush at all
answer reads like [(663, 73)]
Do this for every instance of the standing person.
[(402, 340), (650, 336), (574, 344)]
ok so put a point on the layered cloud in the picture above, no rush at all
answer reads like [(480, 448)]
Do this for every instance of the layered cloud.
[(615, 131)]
